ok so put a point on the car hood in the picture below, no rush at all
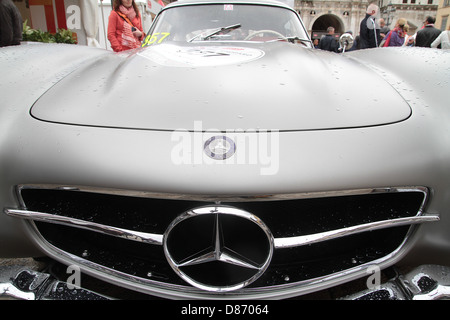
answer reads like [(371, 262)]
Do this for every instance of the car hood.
[(245, 86)]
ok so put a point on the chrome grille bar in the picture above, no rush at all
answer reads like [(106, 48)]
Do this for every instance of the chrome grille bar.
[(223, 199), (279, 243), (291, 242), (149, 238), (37, 211)]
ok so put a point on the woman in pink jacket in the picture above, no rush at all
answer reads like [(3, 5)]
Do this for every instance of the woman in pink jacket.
[(125, 26)]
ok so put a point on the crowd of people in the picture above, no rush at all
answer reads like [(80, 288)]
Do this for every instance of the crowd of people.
[(374, 34), (125, 30)]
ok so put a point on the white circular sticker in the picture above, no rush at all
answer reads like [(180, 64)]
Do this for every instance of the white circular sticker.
[(199, 56)]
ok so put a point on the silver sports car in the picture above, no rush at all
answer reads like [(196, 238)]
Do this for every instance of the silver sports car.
[(226, 159)]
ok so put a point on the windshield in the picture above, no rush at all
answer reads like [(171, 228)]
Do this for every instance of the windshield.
[(225, 22)]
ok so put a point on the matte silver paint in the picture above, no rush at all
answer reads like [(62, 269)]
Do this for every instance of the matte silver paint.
[(366, 119), (143, 94)]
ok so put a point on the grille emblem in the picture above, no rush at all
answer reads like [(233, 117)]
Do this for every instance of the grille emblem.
[(218, 248), (219, 147)]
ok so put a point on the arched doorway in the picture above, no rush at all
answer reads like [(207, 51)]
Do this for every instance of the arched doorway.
[(321, 24)]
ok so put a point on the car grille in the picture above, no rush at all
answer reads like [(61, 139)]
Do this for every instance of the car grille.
[(89, 242)]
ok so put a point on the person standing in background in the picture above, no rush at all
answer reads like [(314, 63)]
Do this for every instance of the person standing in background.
[(10, 24), (384, 29), (369, 31), (397, 37), (125, 26), (329, 42), (428, 34), (443, 40)]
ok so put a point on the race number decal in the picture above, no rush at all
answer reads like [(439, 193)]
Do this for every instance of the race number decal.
[(157, 37)]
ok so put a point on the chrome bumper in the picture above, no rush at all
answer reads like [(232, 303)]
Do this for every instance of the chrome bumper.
[(21, 283), (427, 282)]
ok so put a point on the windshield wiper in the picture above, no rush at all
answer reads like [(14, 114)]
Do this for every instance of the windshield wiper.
[(219, 30), (293, 39)]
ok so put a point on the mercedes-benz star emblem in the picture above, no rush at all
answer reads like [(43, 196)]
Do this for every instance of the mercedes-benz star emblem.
[(219, 147), (218, 248)]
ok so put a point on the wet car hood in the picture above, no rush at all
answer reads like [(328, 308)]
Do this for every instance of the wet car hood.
[(211, 86)]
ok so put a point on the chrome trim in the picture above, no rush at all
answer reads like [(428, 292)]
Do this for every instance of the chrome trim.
[(168, 290), (408, 286), (10, 291), (221, 198), (149, 238), (217, 250), (291, 242), (279, 243), (157, 239), (41, 286), (22, 283)]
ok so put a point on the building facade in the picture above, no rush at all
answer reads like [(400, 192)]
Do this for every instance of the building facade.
[(442, 17), (414, 11), (346, 15), (318, 15)]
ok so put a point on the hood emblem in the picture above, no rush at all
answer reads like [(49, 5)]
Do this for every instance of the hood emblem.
[(219, 147), (218, 248)]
